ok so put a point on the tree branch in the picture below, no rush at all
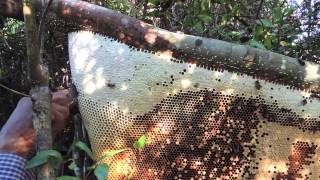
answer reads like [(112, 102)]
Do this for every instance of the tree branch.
[(259, 9), (72, 15), (40, 91), (13, 91)]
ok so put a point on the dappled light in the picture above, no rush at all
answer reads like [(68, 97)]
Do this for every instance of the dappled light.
[(226, 90), (312, 72), (26, 10), (185, 83), (66, 11), (150, 36), (219, 119)]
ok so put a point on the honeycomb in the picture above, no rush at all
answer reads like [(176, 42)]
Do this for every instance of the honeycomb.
[(200, 123)]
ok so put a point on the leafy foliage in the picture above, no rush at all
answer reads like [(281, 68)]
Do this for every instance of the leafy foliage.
[(101, 171), (67, 178), (110, 154), (281, 26), (84, 147), (42, 158), (270, 24)]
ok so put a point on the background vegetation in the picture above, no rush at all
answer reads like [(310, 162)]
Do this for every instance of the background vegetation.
[(289, 27)]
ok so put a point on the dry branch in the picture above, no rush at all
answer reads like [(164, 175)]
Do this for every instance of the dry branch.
[(72, 15)]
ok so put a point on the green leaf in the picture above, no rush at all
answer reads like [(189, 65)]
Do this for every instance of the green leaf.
[(265, 22), (154, 2), (111, 154), (268, 42), (284, 43), (223, 2), (67, 178), (224, 19), (72, 166), (205, 18), (199, 27), (259, 32), (235, 9), (205, 4), (256, 44), (140, 143), (101, 171), (84, 147), (289, 11), (277, 14), (42, 158), (90, 168)]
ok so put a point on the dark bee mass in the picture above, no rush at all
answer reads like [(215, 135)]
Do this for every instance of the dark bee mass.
[(206, 134)]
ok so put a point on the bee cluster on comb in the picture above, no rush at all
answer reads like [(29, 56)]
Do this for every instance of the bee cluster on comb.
[(200, 122)]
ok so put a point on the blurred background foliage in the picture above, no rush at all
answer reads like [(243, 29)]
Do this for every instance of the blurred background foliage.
[(289, 27)]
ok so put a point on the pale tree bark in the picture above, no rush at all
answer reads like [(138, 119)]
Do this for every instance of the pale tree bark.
[(40, 91), (72, 15)]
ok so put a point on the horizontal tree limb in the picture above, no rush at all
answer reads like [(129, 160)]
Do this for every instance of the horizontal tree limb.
[(72, 15)]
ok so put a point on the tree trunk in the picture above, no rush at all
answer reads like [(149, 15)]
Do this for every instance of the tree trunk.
[(40, 91), (72, 15)]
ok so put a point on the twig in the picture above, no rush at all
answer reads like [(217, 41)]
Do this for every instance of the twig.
[(259, 9), (4, 39), (13, 91), (41, 25)]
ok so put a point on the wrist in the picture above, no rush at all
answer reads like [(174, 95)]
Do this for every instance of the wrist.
[(7, 147)]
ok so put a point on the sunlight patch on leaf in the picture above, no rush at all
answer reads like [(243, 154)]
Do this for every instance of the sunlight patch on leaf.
[(140, 143), (110, 154)]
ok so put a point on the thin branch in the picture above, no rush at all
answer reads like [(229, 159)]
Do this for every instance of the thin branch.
[(259, 9), (41, 24), (40, 91), (231, 56), (4, 39), (13, 91)]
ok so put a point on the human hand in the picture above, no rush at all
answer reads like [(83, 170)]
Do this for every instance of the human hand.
[(18, 135)]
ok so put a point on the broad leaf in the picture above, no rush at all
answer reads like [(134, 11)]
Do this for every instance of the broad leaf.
[(205, 18), (84, 147), (284, 43), (43, 157), (154, 2), (199, 27), (72, 166), (111, 153), (235, 9), (67, 178), (256, 44), (90, 168), (224, 19), (277, 14), (140, 143), (259, 32), (268, 42), (265, 22), (101, 171)]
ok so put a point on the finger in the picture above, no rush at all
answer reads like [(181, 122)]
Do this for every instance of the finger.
[(63, 110), (59, 124), (62, 92), (61, 98)]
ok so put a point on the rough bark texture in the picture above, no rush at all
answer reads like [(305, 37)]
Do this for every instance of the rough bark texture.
[(77, 15), (42, 125), (40, 91)]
